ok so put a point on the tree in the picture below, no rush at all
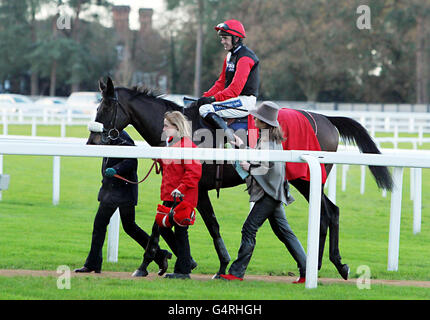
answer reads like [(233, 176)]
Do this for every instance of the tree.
[(56, 55), (79, 7), (197, 41), (199, 45), (422, 52), (197, 15), (15, 41), (33, 7), (313, 50)]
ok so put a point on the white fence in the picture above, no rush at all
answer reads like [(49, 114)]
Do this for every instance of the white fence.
[(398, 160), (44, 116), (356, 107), (388, 121)]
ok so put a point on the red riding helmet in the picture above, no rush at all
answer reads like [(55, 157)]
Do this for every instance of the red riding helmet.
[(232, 27)]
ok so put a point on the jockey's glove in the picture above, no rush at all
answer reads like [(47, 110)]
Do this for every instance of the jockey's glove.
[(110, 172), (205, 100)]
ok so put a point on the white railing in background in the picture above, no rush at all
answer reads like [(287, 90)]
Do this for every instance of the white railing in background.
[(411, 122), (414, 159), (36, 116), (373, 121), (415, 188), (363, 107)]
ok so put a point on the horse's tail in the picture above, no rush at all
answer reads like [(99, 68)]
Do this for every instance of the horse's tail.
[(353, 132)]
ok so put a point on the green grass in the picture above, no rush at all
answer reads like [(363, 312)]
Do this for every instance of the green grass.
[(34, 234), (39, 288)]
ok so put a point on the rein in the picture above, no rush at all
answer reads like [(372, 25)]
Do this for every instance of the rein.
[(157, 171)]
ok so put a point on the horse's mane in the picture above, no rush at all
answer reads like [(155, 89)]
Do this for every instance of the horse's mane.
[(143, 91)]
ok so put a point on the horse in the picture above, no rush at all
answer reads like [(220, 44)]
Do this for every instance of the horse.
[(144, 110)]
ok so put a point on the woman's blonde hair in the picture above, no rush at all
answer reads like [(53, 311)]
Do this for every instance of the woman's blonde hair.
[(181, 123)]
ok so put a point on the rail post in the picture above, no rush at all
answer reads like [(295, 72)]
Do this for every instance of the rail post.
[(113, 238), (395, 215), (313, 222), (56, 181), (417, 199)]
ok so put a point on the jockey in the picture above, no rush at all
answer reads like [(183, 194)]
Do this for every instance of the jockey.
[(237, 85)]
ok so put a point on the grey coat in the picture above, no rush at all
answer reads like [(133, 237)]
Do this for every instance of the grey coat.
[(268, 177)]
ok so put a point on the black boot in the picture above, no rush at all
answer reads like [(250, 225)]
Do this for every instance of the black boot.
[(87, 270), (218, 123)]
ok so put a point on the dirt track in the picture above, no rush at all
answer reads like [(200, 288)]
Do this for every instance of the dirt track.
[(205, 277)]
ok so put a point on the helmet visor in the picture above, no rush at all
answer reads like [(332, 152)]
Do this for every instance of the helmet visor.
[(224, 27)]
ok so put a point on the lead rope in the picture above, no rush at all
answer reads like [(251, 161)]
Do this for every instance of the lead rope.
[(157, 171)]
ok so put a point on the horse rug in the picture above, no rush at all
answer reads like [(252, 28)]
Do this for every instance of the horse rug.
[(299, 135)]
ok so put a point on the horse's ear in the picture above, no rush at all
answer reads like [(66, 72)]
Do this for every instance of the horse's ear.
[(102, 86), (110, 90)]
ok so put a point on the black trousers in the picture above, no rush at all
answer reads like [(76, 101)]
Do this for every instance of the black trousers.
[(273, 210), (101, 221), (178, 242), (329, 220)]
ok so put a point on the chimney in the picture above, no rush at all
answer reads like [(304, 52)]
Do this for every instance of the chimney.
[(120, 19), (145, 19)]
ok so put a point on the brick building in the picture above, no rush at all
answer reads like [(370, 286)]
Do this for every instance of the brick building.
[(141, 53)]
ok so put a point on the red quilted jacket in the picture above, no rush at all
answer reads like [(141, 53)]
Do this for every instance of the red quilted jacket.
[(183, 175)]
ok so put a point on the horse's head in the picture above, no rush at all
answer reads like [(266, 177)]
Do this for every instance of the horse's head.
[(111, 117)]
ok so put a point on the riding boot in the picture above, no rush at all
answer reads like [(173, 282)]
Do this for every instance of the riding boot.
[(218, 123)]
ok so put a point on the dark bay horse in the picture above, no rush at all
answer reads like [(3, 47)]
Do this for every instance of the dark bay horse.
[(145, 112)]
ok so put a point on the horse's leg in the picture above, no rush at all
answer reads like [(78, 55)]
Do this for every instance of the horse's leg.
[(324, 223), (303, 187), (328, 138), (206, 211), (335, 257), (150, 252)]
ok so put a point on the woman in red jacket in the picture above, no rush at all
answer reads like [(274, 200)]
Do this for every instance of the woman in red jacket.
[(180, 180)]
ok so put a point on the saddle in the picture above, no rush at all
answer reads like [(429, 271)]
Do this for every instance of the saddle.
[(234, 124)]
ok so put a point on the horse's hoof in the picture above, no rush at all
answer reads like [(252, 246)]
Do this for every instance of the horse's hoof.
[(140, 273), (164, 264), (344, 271)]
